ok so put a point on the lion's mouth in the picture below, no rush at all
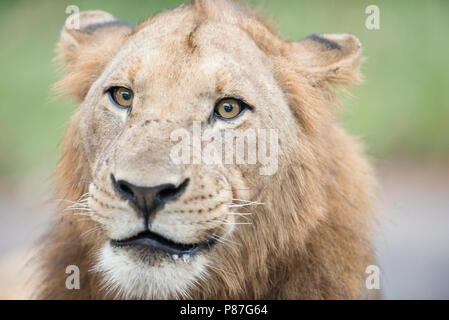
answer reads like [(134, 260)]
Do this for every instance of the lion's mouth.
[(152, 240)]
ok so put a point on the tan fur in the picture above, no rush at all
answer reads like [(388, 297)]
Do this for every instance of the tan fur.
[(310, 239)]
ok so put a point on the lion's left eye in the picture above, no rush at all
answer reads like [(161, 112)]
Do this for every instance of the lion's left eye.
[(122, 96), (227, 109)]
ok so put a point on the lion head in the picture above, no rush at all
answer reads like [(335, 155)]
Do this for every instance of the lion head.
[(140, 224)]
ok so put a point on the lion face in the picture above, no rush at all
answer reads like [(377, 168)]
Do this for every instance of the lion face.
[(163, 222), (163, 219)]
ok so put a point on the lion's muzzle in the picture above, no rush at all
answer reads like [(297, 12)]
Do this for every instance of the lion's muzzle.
[(147, 200)]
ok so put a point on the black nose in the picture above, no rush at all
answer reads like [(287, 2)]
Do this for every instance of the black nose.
[(148, 199)]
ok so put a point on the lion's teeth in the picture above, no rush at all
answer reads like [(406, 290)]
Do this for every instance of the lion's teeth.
[(175, 256), (186, 257)]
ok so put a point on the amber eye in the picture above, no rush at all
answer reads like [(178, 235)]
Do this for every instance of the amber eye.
[(122, 96), (228, 109)]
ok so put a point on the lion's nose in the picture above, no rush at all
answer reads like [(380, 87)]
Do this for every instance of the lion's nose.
[(148, 199)]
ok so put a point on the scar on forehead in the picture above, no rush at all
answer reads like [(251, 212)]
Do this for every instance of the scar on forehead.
[(191, 42), (132, 71), (222, 78)]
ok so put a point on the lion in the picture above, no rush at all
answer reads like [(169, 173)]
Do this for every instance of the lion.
[(137, 225)]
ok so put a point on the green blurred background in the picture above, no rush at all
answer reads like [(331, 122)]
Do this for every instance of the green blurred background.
[(401, 110)]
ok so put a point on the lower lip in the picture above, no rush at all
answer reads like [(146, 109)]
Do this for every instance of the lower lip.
[(153, 241), (154, 244)]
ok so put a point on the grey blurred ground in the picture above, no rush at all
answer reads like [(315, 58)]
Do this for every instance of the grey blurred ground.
[(412, 246)]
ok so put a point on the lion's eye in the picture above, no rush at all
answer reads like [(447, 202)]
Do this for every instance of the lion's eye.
[(121, 96), (228, 109)]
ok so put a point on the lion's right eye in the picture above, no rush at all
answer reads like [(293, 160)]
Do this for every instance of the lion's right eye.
[(122, 96)]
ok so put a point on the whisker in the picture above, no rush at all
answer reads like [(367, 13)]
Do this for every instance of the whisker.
[(87, 214), (84, 219), (76, 209), (239, 213), (244, 215), (69, 201), (247, 201), (236, 223), (96, 228), (83, 203), (84, 195), (218, 239), (242, 203), (224, 240), (235, 205)]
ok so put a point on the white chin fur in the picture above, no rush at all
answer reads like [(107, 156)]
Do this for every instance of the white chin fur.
[(131, 278)]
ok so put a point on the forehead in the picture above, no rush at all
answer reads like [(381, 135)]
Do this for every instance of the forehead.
[(181, 48)]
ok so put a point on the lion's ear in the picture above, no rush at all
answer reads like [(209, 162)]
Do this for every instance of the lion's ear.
[(330, 57), (88, 40)]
